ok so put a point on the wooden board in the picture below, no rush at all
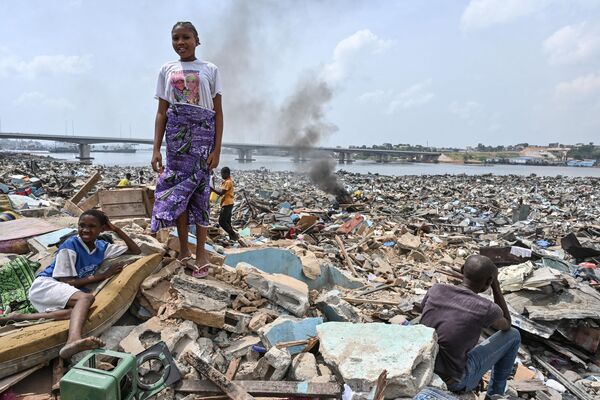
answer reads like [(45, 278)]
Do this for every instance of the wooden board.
[(86, 188), (125, 210), (265, 388), (25, 347), (90, 202), (9, 381), (24, 228), (120, 196)]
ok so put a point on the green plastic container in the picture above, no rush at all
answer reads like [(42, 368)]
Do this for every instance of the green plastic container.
[(86, 382)]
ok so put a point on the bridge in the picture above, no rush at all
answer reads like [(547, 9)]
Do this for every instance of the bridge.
[(245, 150)]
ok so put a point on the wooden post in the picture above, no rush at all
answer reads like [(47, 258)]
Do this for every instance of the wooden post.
[(86, 188), (345, 256), (231, 389)]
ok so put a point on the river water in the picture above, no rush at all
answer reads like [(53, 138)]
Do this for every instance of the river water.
[(274, 163)]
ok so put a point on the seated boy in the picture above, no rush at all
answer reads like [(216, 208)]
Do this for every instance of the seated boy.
[(458, 314), (55, 292)]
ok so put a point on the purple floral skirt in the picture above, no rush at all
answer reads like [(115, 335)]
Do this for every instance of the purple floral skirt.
[(184, 184)]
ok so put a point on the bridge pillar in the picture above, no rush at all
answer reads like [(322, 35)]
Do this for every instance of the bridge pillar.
[(382, 158), (298, 156), (341, 157), (349, 159), (84, 154), (245, 155)]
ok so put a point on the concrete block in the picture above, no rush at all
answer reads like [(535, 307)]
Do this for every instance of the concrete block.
[(336, 309), (304, 367), (212, 289), (205, 302), (236, 322), (148, 244), (287, 329), (285, 291), (359, 352), (274, 365)]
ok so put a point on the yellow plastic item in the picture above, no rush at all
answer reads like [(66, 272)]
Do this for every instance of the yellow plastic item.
[(214, 197)]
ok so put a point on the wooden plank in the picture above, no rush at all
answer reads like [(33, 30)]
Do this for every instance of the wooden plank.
[(9, 381), (24, 228), (233, 368), (345, 256), (90, 202), (231, 389), (359, 301), (579, 393), (147, 202), (125, 210), (265, 388), (86, 188), (120, 196), (72, 208)]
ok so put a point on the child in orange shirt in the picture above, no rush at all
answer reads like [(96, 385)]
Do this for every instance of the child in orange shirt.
[(226, 193)]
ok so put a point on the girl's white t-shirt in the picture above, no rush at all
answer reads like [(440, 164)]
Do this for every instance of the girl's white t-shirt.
[(189, 82)]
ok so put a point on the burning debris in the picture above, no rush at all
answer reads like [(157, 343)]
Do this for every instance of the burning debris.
[(322, 173)]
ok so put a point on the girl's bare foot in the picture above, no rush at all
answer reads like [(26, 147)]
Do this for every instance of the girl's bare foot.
[(77, 346), (182, 257)]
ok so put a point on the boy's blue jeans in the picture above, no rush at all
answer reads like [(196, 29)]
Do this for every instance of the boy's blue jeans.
[(498, 353)]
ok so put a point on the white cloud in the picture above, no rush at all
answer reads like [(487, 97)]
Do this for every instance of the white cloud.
[(346, 50), (579, 89), (43, 65), (416, 95), (485, 13), (33, 99), (573, 44), (465, 110), (393, 100), (371, 96)]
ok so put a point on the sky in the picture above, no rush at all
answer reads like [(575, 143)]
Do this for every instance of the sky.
[(444, 73)]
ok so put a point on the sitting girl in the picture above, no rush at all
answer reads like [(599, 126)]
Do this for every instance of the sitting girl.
[(55, 292)]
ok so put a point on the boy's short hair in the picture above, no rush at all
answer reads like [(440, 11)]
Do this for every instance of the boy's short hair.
[(225, 171)]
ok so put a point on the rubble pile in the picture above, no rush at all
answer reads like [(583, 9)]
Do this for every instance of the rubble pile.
[(328, 294)]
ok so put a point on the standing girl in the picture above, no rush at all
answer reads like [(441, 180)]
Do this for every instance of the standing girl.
[(193, 125)]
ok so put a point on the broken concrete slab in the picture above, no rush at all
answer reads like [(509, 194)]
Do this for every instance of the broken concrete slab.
[(114, 335), (239, 348), (285, 291), (336, 309), (148, 244), (288, 329), (304, 367), (213, 289), (311, 265), (274, 260), (408, 241), (359, 352), (176, 334)]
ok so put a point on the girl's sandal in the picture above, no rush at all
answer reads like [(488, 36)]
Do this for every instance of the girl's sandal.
[(185, 261), (201, 272)]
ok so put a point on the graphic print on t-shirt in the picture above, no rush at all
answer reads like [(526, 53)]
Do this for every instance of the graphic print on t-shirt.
[(186, 86)]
